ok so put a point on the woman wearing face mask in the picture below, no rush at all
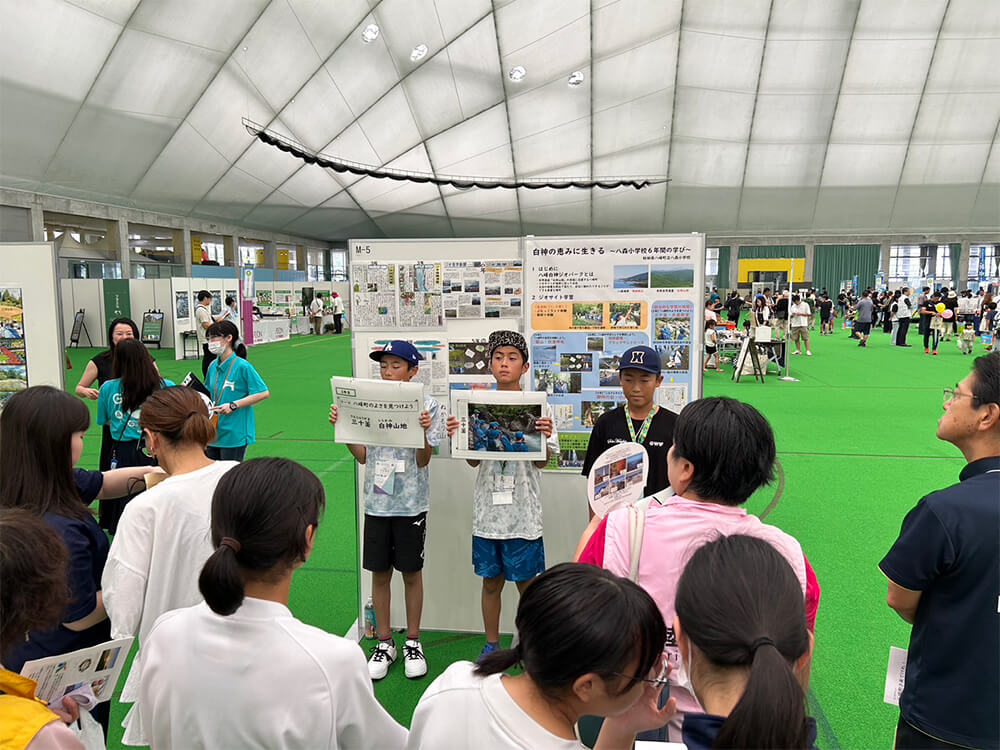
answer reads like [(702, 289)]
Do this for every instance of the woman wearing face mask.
[(235, 387), (590, 644), (232, 314), (741, 630), (163, 538)]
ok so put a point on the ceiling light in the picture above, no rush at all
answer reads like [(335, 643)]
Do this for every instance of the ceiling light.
[(517, 73), (575, 78), (418, 52), (370, 33)]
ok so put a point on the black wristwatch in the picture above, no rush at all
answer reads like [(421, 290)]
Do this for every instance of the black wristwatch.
[(233, 405)]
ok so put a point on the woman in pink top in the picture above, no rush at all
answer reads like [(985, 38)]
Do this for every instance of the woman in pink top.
[(723, 451)]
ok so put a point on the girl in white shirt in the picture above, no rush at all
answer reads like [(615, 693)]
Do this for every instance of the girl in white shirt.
[(238, 670), (591, 643), (163, 535)]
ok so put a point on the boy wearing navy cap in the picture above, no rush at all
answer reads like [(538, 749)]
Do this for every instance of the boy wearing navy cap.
[(397, 498), (639, 420)]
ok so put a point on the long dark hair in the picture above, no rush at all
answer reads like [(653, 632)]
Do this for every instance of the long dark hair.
[(261, 509), (179, 414), (135, 367), (36, 453), (33, 562), (739, 602), (575, 619)]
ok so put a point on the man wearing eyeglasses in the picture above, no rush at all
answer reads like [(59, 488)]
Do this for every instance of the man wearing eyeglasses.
[(944, 579)]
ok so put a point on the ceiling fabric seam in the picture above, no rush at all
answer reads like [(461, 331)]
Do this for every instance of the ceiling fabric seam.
[(753, 111), (506, 109), (916, 114), (982, 176), (673, 115), (836, 108)]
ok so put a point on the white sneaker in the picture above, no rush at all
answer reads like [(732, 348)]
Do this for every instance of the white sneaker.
[(808, 353), (796, 352), (383, 655), (414, 663)]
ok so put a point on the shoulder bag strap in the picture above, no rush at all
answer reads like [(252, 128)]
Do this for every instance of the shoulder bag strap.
[(636, 527)]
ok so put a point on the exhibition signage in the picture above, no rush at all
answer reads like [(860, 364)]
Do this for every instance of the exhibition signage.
[(378, 412), (116, 300)]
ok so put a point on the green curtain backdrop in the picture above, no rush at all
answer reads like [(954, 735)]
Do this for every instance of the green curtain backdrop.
[(834, 263), (958, 279), (722, 280), (772, 251)]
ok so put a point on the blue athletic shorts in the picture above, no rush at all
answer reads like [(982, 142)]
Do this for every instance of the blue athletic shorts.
[(514, 559)]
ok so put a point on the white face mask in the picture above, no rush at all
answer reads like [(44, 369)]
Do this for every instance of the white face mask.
[(215, 347), (683, 678)]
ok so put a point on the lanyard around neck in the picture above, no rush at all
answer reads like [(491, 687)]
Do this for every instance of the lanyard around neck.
[(217, 391), (645, 425)]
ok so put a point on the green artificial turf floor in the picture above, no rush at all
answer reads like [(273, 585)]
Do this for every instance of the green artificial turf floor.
[(856, 444)]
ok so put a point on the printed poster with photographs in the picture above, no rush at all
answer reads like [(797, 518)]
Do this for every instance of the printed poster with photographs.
[(420, 304), (498, 425), (617, 478), (590, 299), (13, 352), (483, 289), (373, 295), (95, 669), (432, 371)]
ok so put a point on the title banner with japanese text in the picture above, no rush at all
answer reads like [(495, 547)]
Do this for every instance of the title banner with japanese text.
[(591, 298)]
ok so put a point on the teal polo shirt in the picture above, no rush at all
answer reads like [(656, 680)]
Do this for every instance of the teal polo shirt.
[(227, 382)]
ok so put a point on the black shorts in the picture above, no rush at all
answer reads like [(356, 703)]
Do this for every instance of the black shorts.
[(709, 350), (394, 542), (863, 328)]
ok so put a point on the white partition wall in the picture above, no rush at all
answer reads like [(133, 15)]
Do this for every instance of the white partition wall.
[(181, 312), (86, 295), (32, 309)]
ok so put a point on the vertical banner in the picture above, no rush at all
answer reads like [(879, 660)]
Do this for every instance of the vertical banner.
[(591, 298), (13, 353), (246, 304), (116, 300)]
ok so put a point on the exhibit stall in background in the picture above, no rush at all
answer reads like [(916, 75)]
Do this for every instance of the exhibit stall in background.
[(447, 296)]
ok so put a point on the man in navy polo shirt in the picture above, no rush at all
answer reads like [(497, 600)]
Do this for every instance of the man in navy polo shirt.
[(944, 578)]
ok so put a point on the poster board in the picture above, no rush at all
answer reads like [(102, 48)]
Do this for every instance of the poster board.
[(151, 330), (78, 326), (591, 298), (30, 268), (451, 589)]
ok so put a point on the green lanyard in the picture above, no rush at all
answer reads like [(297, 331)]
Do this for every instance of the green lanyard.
[(645, 425)]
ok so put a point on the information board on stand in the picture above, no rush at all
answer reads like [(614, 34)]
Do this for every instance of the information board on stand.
[(591, 298)]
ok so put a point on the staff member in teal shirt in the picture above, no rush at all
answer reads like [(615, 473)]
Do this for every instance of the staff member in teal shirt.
[(235, 387)]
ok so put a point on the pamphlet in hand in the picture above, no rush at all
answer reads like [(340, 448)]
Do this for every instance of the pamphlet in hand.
[(617, 477), (191, 381), (96, 668), (378, 412)]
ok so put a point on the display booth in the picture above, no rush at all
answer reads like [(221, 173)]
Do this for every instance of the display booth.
[(31, 337), (580, 302)]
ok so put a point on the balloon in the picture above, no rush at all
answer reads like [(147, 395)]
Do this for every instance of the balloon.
[(947, 314), (940, 307)]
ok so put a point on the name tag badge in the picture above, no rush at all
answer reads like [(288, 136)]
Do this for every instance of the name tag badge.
[(503, 483), (505, 497), (400, 466), (385, 477)]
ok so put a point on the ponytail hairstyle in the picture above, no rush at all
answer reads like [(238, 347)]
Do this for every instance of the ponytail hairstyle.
[(739, 602), (36, 451), (179, 414), (139, 378), (575, 619), (260, 512)]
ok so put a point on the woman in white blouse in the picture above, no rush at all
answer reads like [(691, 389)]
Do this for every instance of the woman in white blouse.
[(591, 644), (163, 535), (238, 670)]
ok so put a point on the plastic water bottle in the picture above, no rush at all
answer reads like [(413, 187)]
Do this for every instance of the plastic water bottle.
[(370, 619)]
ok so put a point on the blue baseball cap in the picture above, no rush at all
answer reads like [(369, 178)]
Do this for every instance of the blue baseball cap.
[(398, 348), (640, 358)]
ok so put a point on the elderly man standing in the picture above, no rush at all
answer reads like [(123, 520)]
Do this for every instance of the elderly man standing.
[(903, 313), (944, 579)]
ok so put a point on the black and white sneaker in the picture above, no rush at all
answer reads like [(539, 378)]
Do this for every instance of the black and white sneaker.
[(383, 655), (414, 663)]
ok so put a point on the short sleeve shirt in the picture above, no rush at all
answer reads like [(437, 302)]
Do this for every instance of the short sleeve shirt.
[(202, 314), (520, 519), (611, 429), (88, 484), (230, 381), (88, 551), (825, 308), (948, 549), (866, 310), (109, 411), (409, 493)]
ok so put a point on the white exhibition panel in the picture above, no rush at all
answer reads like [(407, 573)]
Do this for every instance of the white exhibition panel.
[(451, 588), (31, 267), (181, 311), (86, 295)]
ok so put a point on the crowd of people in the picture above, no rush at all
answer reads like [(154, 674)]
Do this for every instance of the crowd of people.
[(685, 589)]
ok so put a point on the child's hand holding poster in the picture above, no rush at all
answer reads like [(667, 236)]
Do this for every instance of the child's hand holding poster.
[(378, 412), (498, 425)]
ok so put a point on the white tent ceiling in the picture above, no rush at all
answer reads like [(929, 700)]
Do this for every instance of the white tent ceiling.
[(767, 115)]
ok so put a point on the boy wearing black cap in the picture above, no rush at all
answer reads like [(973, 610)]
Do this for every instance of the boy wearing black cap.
[(639, 420), (397, 497), (506, 507)]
